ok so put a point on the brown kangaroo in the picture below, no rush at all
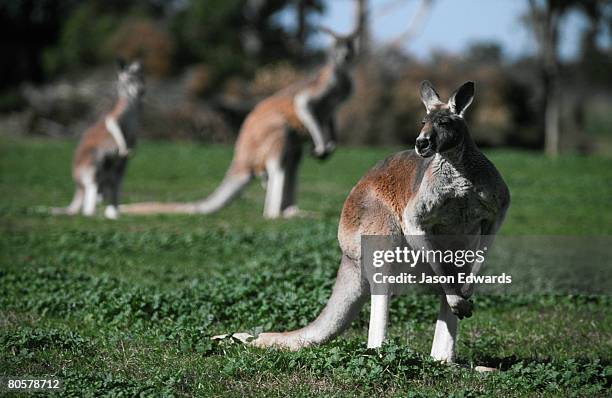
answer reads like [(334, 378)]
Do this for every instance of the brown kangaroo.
[(271, 138), (445, 186), (101, 156)]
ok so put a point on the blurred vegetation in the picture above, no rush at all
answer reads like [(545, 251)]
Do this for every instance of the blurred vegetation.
[(53, 37), (209, 62)]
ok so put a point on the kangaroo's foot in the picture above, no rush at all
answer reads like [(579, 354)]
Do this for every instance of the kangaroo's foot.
[(296, 212), (485, 369), (264, 340), (111, 212), (288, 340)]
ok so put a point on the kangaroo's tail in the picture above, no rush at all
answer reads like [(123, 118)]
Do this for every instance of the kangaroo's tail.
[(158, 208), (348, 296), (231, 186), (55, 211)]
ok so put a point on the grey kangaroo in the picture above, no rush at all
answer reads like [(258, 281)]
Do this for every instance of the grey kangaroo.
[(445, 186)]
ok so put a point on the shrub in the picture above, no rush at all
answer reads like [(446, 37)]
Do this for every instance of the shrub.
[(143, 38)]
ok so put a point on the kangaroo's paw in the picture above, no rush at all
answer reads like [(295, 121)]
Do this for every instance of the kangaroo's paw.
[(485, 369), (460, 306)]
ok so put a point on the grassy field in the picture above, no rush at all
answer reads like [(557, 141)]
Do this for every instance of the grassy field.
[(128, 307)]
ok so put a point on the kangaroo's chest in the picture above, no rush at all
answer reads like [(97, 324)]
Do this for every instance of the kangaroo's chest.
[(129, 126), (450, 204)]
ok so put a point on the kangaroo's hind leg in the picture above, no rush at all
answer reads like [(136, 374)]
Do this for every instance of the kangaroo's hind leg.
[(274, 191), (381, 294), (113, 188), (445, 336), (90, 192), (292, 159), (379, 319), (77, 201)]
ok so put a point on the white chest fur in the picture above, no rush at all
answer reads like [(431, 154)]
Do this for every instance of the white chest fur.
[(449, 201)]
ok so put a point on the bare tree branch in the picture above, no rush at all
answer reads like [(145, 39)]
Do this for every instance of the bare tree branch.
[(415, 25), (388, 8)]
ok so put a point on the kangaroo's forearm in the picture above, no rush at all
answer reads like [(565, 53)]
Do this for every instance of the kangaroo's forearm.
[(307, 117)]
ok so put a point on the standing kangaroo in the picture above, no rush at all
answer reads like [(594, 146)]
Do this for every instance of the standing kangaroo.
[(446, 186), (271, 138), (101, 156)]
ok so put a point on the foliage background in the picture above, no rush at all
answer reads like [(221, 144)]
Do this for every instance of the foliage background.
[(209, 62)]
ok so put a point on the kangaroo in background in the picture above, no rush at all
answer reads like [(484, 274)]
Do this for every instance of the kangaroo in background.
[(101, 156), (446, 186), (271, 138)]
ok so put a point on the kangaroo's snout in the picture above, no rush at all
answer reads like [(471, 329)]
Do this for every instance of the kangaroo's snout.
[(423, 143), (424, 146)]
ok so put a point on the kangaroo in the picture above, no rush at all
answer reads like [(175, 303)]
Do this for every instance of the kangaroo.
[(445, 186), (101, 156), (271, 138)]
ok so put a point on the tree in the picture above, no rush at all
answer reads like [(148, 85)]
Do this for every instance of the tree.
[(27, 27), (304, 8), (229, 35), (414, 27), (545, 18), (362, 24), (595, 62), (485, 52)]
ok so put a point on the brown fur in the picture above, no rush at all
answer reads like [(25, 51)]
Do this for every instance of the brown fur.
[(95, 140), (375, 205), (411, 194), (271, 140), (100, 158), (263, 134)]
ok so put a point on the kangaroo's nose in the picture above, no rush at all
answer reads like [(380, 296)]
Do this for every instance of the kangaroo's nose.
[(422, 144)]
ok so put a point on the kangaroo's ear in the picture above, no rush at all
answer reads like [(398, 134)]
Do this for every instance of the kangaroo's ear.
[(121, 64), (429, 96), (462, 98)]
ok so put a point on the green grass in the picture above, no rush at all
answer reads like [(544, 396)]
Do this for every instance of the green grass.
[(128, 307)]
